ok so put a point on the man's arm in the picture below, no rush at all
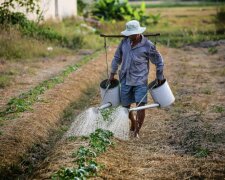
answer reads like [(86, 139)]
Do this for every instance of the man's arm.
[(116, 61), (156, 58)]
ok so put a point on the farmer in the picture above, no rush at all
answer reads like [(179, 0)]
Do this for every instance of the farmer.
[(133, 54)]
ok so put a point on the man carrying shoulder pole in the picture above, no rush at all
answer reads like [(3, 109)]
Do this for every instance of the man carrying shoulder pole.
[(133, 55)]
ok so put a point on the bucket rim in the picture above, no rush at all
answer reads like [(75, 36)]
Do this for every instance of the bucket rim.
[(153, 83), (113, 83)]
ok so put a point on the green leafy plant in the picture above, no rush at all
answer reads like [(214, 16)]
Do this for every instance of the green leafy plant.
[(220, 15), (207, 90), (29, 5), (212, 50), (77, 173), (72, 138), (4, 81), (154, 18), (220, 20), (201, 152), (81, 5), (85, 157), (106, 113), (33, 29), (100, 139), (219, 109), (109, 10)]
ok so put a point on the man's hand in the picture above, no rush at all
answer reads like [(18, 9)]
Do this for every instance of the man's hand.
[(160, 82), (111, 77)]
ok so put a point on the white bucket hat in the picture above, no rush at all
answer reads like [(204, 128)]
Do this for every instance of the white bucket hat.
[(133, 27)]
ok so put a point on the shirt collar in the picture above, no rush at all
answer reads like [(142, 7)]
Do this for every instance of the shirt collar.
[(143, 40)]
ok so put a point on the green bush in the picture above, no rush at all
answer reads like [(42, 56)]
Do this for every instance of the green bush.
[(4, 81), (220, 15), (32, 29), (220, 20), (81, 5), (154, 19), (109, 10)]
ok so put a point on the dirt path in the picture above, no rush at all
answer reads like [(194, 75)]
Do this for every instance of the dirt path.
[(186, 140)]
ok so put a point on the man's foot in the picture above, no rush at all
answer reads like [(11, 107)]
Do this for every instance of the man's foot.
[(136, 134), (132, 134)]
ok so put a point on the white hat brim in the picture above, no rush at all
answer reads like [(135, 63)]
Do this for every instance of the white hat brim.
[(129, 33)]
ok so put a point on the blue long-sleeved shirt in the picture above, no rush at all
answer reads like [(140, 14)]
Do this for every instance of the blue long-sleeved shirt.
[(134, 61)]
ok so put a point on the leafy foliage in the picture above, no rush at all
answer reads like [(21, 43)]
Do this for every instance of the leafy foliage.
[(32, 29), (212, 50), (106, 113), (219, 109), (81, 5), (100, 139), (76, 173), (29, 5), (154, 19), (201, 152), (118, 10), (220, 15), (220, 20), (85, 157)]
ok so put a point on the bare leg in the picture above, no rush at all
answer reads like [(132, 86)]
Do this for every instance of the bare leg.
[(133, 121), (139, 120)]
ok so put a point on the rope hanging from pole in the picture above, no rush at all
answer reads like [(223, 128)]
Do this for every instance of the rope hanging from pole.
[(106, 57)]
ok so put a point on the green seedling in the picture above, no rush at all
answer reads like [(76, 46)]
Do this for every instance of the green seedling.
[(106, 113), (212, 50), (219, 109), (72, 138), (207, 91), (100, 139), (201, 152), (85, 157)]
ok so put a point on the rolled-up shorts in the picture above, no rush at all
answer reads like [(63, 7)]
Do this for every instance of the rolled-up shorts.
[(133, 94)]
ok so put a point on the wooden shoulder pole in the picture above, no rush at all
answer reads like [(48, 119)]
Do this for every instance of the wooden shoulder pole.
[(121, 36)]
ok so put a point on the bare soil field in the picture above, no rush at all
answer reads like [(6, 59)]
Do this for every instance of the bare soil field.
[(184, 141)]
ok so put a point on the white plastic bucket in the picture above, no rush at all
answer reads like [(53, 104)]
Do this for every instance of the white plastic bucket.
[(161, 94), (112, 94)]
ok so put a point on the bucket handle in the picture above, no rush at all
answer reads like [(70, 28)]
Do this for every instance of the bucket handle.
[(107, 88)]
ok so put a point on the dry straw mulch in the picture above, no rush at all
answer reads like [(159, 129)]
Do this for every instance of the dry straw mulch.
[(169, 139), (34, 127)]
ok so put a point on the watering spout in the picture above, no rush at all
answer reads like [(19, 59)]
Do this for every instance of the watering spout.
[(144, 107), (105, 106)]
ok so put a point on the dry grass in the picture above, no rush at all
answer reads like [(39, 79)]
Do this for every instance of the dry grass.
[(16, 47), (185, 141), (34, 127)]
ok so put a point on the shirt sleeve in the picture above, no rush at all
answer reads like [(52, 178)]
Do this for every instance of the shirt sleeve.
[(156, 58), (117, 59)]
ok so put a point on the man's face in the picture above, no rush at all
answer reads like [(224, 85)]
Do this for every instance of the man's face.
[(134, 37)]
